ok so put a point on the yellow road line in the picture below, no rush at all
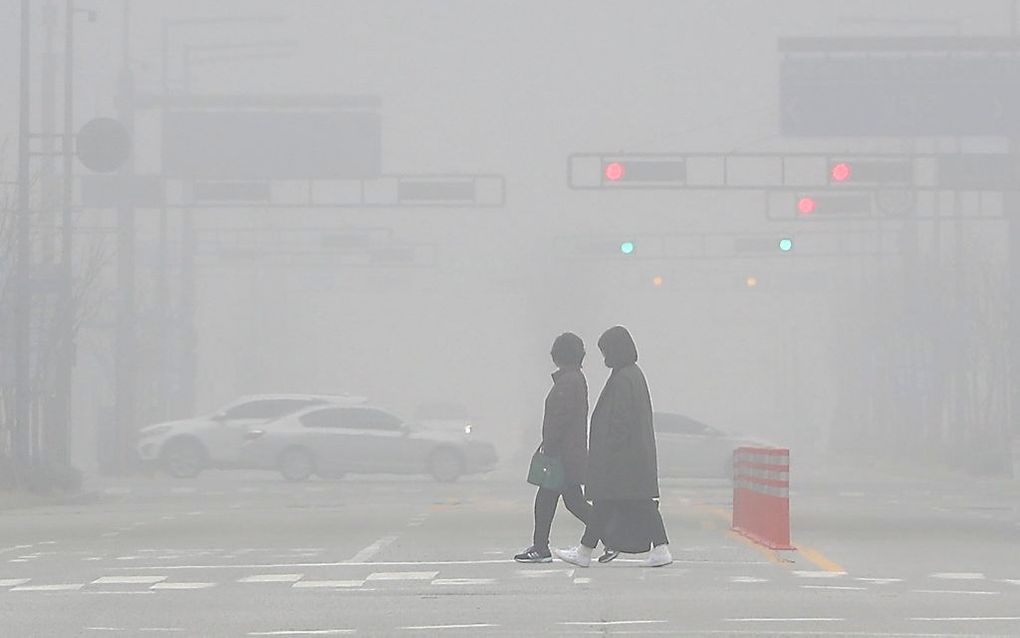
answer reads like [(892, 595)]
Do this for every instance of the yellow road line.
[(819, 560), (770, 554)]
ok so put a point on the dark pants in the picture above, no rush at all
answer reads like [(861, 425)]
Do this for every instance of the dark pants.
[(648, 510), (545, 509)]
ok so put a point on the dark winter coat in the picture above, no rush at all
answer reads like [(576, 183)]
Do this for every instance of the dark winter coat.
[(622, 462), (565, 424)]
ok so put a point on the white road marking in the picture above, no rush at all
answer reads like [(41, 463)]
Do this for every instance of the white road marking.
[(834, 587), (155, 629), (129, 580), (1011, 581), (966, 619), (961, 592), (748, 579), (784, 619), (14, 582), (608, 623), (959, 576), (427, 627), (372, 549), (463, 581), (539, 573), (311, 584), (402, 575), (119, 593), (303, 632), (582, 581), (817, 574), (18, 560), (105, 629), (880, 581), (406, 563), (67, 587), (271, 578), (183, 585)]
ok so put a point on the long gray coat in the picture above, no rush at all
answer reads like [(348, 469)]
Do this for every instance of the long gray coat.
[(622, 461), (565, 424)]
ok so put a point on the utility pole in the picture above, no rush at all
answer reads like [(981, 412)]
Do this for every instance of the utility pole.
[(126, 355), (22, 440)]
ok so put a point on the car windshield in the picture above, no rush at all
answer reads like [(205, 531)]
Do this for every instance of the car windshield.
[(267, 408)]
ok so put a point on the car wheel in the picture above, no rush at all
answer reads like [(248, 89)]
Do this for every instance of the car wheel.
[(183, 458), (446, 466), (297, 465)]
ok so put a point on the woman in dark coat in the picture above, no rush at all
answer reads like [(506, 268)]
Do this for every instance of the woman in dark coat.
[(623, 478), (565, 436)]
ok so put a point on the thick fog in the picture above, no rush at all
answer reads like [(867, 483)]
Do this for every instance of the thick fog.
[(878, 340)]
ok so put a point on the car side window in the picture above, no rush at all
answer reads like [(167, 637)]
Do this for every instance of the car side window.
[(369, 419), (328, 418), (266, 409)]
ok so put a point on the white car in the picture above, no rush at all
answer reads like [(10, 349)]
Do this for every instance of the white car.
[(332, 440), (185, 448), (688, 448)]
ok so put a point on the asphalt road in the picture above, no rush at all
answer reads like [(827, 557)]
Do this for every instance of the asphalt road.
[(233, 554)]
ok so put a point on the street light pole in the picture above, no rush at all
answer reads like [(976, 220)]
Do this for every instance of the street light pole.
[(22, 439)]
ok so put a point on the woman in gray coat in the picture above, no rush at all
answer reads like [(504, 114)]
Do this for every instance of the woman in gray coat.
[(565, 436), (622, 479)]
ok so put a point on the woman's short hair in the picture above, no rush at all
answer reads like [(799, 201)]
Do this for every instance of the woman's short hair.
[(568, 350)]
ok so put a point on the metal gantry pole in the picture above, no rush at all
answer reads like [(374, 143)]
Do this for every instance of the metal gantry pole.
[(65, 364), (22, 435)]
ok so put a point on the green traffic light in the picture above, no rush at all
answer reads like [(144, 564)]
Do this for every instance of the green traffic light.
[(627, 247), (786, 244)]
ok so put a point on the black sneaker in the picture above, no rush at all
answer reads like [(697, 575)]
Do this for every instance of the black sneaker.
[(608, 556), (534, 555)]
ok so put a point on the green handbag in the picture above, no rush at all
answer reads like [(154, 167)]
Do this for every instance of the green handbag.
[(546, 471)]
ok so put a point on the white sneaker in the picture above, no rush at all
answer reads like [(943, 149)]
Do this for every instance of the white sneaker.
[(659, 556), (579, 555)]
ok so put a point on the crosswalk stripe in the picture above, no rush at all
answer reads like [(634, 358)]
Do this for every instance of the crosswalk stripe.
[(403, 575), (13, 582), (463, 581), (318, 584), (66, 587), (129, 580), (183, 585), (959, 576), (271, 578)]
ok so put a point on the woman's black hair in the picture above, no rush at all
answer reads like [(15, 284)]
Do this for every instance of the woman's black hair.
[(568, 350)]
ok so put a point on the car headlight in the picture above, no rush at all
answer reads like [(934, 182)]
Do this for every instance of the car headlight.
[(467, 429)]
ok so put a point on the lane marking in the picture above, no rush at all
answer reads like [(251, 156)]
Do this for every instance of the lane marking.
[(600, 623), (67, 587), (129, 580), (541, 573), (817, 559), (271, 578), (372, 549), (825, 574), (428, 627), (183, 585), (320, 584), (463, 581), (582, 581), (962, 592), (959, 575), (105, 629), (14, 582), (748, 579), (302, 632), (834, 587), (402, 576), (413, 563), (119, 593), (784, 620), (155, 629), (968, 619), (880, 581)]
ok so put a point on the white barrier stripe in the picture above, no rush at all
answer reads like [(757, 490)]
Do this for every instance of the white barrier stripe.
[(770, 490)]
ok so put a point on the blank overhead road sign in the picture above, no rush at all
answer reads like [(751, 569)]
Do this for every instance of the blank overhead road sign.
[(873, 87), (104, 145), (262, 144)]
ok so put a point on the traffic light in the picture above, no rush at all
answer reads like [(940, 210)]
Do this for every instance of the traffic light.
[(657, 281), (627, 247), (786, 244), (857, 204), (627, 171), (867, 172)]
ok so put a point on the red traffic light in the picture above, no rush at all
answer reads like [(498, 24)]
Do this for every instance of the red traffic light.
[(840, 172), (614, 171), (806, 205)]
